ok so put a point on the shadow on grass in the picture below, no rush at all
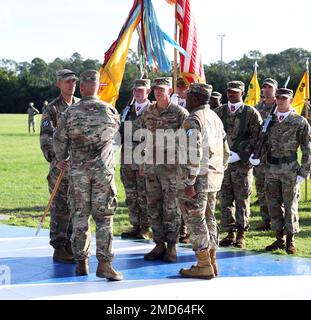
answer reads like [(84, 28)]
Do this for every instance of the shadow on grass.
[(21, 209)]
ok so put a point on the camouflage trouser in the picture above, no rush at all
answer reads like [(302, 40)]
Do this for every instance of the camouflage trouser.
[(60, 222), (235, 197), (135, 190), (31, 124), (259, 173), (92, 193), (282, 193), (162, 204), (199, 215)]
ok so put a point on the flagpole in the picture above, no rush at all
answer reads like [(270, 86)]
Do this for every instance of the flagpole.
[(255, 96), (175, 50), (307, 115)]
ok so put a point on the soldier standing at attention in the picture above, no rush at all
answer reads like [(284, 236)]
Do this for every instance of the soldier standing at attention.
[(132, 179), (32, 112), (60, 224), (201, 178), (85, 135), (284, 174), (242, 125), (162, 117), (215, 100), (269, 87)]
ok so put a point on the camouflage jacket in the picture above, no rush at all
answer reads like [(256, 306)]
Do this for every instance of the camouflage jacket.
[(85, 132), (130, 120), (264, 109), (207, 139), (49, 122), (159, 122), (249, 136), (32, 112), (284, 138)]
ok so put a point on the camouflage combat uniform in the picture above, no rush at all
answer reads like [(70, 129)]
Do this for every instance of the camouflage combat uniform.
[(259, 171), (85, 133), (237, 184), (32, 111), (282, 191), (208, 172), (60, 224), (161, 178), (134, 183)]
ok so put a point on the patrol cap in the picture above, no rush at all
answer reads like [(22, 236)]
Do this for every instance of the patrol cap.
[(201, 88), (216, 95), (284, 92), (270, 82), (31, 104), (89, 75), (66, 74), (180, 82), (141, 84), (236, 86), (163, 82)]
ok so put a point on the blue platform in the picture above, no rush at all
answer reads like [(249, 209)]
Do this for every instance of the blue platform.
[(27, 271)]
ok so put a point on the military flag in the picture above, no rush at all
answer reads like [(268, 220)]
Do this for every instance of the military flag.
[(253, 92), (302, 93), (142, 16), (191, 68)]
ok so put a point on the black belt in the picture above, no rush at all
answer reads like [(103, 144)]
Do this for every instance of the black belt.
[(273, 160)]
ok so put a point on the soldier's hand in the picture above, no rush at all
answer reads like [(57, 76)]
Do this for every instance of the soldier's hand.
[(234, 157), (254, 162), (190, 191), (299, 179), (63, 165)]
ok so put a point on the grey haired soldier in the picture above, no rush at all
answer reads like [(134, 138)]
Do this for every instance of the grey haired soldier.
[(32, 112), (242, 125), (60, 224), (84, 134), (161, 175), (201, 178), (132, 179), (269, 87), (284, 174)]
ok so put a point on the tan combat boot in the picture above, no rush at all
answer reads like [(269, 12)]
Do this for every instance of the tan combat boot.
[(212, 254), (82, 268), (105, 270), (156, 253), (229, 240), (240, 240), (131, 233), (279, 243), (202, 270), (170, 253), (290, 244), (62, 255)]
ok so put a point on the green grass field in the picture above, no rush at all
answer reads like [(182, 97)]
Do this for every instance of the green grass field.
[(24, 193)]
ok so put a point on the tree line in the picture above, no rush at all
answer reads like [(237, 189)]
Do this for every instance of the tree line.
[(23, 82)]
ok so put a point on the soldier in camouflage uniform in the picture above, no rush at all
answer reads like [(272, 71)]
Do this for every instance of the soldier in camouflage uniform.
[(242, 125), (162, 117), (269, 87), (84, 134), (215, 100), (200, 179), (133, 181), (32, 111), (60, 224), (284, 174)]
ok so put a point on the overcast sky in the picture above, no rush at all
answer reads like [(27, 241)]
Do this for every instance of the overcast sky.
[(57, 28)]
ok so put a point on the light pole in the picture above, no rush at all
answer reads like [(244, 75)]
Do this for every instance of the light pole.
[(221, 47)]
